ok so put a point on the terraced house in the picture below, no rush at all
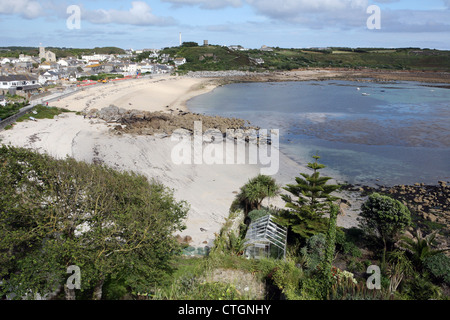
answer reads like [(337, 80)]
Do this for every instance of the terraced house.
[(21, 82)]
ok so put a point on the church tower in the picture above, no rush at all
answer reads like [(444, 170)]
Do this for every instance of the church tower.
[(41, 52)]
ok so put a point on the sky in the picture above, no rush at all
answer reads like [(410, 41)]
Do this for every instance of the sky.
[(251, 23)]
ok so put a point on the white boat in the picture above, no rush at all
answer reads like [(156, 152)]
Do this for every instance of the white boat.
[(365, 94)]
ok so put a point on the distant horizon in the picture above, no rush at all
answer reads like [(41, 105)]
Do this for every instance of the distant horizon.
[(226, 45), (250, 23)]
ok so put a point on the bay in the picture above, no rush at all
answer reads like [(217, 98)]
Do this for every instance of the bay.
[(370, 133)]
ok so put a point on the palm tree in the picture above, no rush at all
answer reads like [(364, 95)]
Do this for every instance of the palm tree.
[(399, 267), (420, 247), (256, 190)]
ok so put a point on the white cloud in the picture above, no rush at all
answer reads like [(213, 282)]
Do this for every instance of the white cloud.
[(415, 21), (314, 14), (140, 13), (28, 9), (207, 4)]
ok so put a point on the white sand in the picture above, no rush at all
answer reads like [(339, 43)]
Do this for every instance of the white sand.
[(207, 188), (141, 94)]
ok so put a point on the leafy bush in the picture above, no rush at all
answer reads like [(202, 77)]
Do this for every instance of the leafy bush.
[(11, 109), (311, 289), (286, 276), (257, 214), (345, 246), (420, 288), (439, 267), (55, 213), (314, 251)]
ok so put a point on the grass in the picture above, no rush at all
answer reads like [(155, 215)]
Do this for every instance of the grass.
[(11, 109), (288, 59), (42, 112)]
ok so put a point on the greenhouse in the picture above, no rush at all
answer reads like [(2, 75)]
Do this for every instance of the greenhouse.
[(265, 239)]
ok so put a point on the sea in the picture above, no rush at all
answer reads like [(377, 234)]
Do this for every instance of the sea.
[(366, 133)]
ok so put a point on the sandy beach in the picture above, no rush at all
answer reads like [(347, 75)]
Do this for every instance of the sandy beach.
[(146, 94), (209, 189)]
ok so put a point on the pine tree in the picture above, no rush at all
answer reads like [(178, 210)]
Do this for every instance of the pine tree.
[(312, 200)]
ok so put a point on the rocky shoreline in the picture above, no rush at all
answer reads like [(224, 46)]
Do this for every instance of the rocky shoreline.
[(429, 205), (163, 123), (319, 74)]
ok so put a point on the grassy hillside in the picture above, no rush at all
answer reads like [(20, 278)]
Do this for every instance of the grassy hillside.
[(222, 58), (211, 58)]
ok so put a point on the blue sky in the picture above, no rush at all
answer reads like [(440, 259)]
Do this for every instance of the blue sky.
[(250, 23)]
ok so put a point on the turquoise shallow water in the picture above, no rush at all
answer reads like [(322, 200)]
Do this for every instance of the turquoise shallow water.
[(366, 133)]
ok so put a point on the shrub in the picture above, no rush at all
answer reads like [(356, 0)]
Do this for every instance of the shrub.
[(314, 251), (45, 206), (420, 288), (311, 289), (345, 246), (439, 267), (257, 214), (286, 277)]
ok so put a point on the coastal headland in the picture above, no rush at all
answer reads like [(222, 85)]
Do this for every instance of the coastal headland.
[(209, 189)]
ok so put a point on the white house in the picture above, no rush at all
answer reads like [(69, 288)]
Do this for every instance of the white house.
[(147, 68), (96, 57), (164, 57), (49, 65), (48, 77), (63, 63), (5, 61), (179, 61), (20, 82), (24, 58), (132, 68), (266, 48)]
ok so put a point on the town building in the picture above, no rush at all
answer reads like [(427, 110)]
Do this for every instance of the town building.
[(179, 61), (47, 55), (23, 82)]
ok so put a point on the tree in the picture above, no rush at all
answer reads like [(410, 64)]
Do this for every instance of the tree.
[(189, 44), (385, 218), (399, 267), (256, 190), (58, 213), (312, 200), (312, 192)]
